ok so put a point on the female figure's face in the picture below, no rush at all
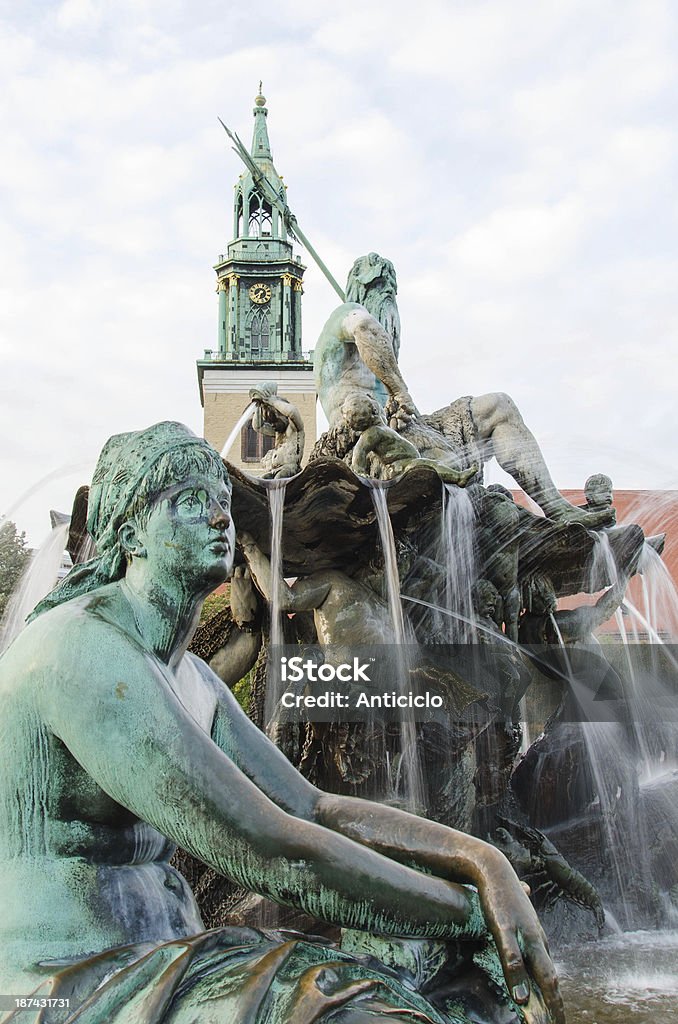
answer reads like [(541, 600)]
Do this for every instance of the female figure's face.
[(190, 534)]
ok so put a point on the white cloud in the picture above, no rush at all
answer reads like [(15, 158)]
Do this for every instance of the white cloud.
[(516, 161), (75, 14), (519, 243)]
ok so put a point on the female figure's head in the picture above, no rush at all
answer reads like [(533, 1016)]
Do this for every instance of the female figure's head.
[(168, 472)]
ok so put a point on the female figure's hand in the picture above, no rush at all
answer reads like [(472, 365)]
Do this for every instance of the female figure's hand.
[(520, 938)]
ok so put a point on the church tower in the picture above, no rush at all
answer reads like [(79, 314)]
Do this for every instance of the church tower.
[(259, 285)]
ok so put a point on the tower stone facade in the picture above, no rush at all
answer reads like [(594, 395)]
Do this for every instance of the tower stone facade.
[(259, 287)]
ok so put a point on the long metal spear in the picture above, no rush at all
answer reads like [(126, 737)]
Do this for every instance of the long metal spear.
[(275, 199)]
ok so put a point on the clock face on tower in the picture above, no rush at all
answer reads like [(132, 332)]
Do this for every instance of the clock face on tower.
[(260, 293)]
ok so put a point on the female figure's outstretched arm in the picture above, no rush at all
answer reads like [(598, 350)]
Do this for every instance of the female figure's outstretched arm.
[(406, 839), (119, 718)]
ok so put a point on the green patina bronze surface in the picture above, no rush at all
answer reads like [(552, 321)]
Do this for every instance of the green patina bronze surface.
[(357, 353), (117, 744)]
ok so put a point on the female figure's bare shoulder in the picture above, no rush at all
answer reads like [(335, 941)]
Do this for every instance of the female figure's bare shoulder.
[(59, 646)]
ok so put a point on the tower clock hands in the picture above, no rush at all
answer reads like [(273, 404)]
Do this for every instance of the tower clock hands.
[(273, 197)]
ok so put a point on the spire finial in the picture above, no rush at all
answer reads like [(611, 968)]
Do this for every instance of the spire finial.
[(260, 99)]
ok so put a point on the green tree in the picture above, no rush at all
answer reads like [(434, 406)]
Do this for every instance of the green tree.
[(14, 554)]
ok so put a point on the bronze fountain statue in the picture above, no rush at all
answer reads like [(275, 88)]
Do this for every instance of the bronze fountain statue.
[(120, 744)]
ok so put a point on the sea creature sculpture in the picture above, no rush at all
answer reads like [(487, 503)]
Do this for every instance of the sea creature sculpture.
[(548, 873)]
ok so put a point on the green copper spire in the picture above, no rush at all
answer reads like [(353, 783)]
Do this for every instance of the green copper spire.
[(260, 201), (261, 147), (259, 278), (263, 160)]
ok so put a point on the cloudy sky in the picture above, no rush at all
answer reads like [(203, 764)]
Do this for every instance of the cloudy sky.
[(514, 159)]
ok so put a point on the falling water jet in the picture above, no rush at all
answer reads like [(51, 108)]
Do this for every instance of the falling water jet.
[(378, 495), (643, 702), (267, 915), (410, 765), (612, 922), (660, 600), (458, 556), (604, 559), (233, 436), (276, 502), (660, 592), (651, 631), (534, 657), (55, 474), (635, 690), (501, 637), (635, 686), (36, 582), (602, 562), (496, 637), (603, 744)]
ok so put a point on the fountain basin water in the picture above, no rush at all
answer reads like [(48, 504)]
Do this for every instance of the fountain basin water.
[(623, 979)]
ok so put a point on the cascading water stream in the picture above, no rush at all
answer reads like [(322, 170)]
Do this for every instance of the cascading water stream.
[(235, 433), (647, 656), (561, 642), (380, 503), (276, 502), (76, 468), (656, 690), (496, 637), (604, 567), (276, 499), (604, 745), (653, 635), (659, 593), (411, 772), (650, 692), (458, 557), (36, 582), (499, 637)]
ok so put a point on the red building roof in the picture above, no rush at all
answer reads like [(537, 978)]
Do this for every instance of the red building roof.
[(656, 512)]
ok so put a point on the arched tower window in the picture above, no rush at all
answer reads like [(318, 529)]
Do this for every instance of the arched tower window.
[(253, 445), (260, 332), (260, 217), (238, 216)]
